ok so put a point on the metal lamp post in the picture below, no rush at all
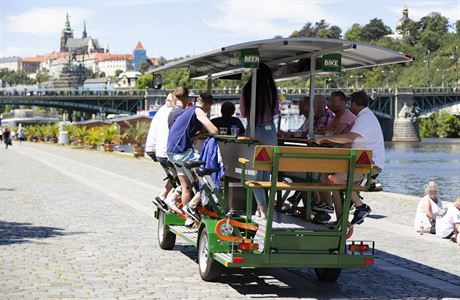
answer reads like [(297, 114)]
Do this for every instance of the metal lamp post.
[(356, 79), (428, 61)]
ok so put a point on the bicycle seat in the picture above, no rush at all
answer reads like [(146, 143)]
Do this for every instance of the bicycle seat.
[(206, 171), (193, 163)]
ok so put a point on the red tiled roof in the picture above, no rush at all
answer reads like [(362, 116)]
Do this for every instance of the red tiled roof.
[(36, 58), (139, 46)]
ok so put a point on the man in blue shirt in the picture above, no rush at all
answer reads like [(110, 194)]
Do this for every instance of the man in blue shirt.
[(179, 150)]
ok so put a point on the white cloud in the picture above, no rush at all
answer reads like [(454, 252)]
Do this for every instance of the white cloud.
[(269, 18), (47, 20), (420, 9)]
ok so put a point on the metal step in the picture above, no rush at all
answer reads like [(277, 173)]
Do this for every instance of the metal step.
[(188, 234)]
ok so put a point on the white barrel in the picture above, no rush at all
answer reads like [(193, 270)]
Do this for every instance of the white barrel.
[(63, 137)]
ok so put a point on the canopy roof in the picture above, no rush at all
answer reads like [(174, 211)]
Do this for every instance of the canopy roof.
[(286, 57)]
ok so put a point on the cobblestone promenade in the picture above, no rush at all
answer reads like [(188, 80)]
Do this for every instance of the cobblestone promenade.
[(78, 224)]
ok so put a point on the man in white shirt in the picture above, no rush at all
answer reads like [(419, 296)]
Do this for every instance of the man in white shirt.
[(448, 222), (157, 140), (366, 133)]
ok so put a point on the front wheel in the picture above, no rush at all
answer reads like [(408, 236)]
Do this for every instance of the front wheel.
[(328, 274), (210, 270), (166, 239)]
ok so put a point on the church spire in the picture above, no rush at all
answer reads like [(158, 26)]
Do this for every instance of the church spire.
[(84, 35), (67, 27)]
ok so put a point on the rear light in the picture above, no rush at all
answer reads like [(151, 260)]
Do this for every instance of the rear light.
[(358, 248), (248, 246), (368, 261), (238, 260)]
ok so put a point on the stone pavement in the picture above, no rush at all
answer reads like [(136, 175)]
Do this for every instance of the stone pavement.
[(78, 224)]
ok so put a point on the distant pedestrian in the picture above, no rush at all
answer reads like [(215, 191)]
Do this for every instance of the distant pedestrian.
[(1, 135), (448, 222), (427, 210), (7, 137)]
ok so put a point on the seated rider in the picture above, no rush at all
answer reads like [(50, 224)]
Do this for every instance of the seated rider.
[(228, 120), (157, 138), (366, 133), (179, 149)]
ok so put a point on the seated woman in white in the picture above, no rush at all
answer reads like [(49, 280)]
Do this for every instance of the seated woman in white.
[(428, 208)]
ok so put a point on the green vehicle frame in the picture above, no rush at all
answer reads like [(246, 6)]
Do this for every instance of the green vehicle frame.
[(225, 239)]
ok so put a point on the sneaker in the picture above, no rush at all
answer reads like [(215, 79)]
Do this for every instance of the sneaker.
[(160, 203), (191, 212), (171, 203), (189, 223), (360, 213), (324, 207)]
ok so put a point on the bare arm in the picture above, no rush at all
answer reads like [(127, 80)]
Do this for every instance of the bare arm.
[(426, 207), (339, 138), (207, 124)]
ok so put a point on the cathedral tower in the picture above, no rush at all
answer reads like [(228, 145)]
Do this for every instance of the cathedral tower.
[(66, 33)]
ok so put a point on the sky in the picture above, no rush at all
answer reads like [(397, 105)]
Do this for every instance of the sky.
[(178, 28)]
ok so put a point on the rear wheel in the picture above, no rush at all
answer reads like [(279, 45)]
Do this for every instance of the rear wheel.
[(210, 270), (328, 274), (166, 239)]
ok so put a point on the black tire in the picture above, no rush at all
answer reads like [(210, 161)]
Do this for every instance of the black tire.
[(210, 270), (328, 274), (166, 239)]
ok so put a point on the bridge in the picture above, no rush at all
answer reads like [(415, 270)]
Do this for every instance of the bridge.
[(114, 102), (386, 103)]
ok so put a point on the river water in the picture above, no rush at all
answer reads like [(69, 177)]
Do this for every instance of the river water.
[(409, 166)]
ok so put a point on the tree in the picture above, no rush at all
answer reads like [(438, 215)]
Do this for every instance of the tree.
[(144, 67), (118, 72), (374, 30), (434, 22), (144, 82), (457, 27), (43, 76), (354, 33), (321, 29), (102, 75)]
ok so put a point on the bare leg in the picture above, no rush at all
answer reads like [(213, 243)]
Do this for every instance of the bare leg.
[(167, 188), (186, 187)]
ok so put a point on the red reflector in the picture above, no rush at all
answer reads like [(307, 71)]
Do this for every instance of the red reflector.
[(263, 155), (363, 248), (238, 260), (368, 261), (363, 159), (244, 246)]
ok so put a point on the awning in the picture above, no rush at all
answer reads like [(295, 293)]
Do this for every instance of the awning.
[(286, 57)]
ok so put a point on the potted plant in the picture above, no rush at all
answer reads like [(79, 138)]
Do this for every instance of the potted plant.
[(81, 133), (136, 134), (94, 137), (110, 136), (30, 133), (41, 133)]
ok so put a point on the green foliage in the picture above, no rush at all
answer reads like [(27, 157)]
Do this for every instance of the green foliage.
[(118, 72), (374, 30), (110, 134), (440, 124), (15, 78), (94, 136), (144, 67), (137, 132), (321, 29), (144, 82)]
